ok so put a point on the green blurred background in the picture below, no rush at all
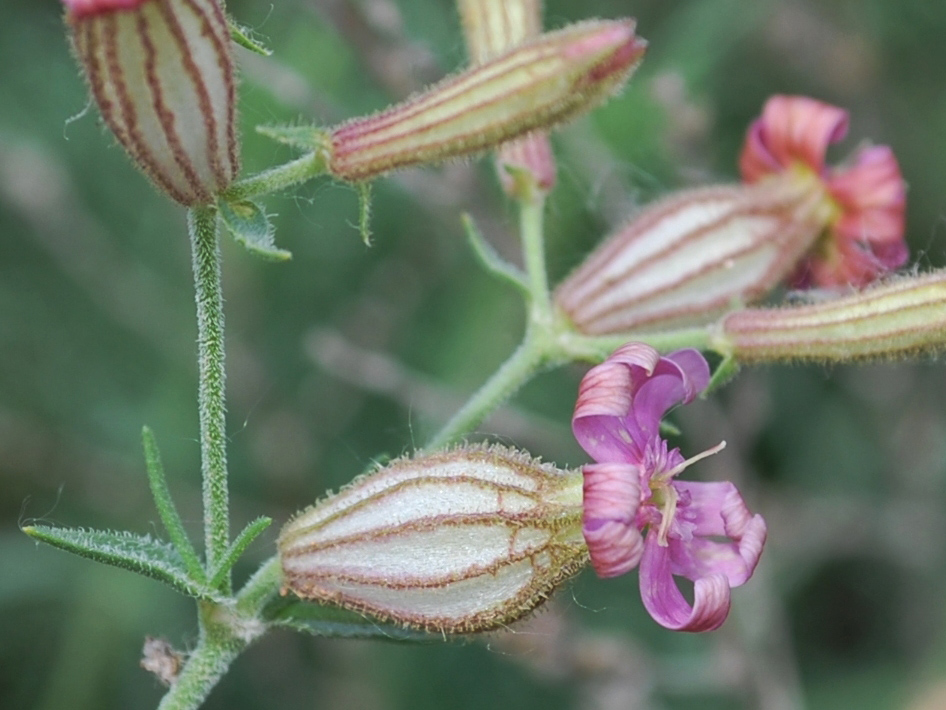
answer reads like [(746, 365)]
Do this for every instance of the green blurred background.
[(347, 354)]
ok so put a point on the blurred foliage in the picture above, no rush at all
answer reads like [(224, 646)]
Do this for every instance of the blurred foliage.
[(347, 353)]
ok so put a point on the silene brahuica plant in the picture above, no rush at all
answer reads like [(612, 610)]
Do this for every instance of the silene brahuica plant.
[(461, 536)]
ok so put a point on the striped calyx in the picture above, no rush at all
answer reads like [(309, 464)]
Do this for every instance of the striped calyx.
[(491, 28), (903, 317), (537, 85), (162, 74), (455, 542), (689, 258)]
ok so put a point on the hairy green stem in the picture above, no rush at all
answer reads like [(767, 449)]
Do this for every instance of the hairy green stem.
[(537, 349), (533, 257), (202, 224), (218, 646), (282, 176), (513, 373)]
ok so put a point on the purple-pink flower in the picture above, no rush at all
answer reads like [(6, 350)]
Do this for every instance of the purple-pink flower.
[(867, 195), (636, 512)]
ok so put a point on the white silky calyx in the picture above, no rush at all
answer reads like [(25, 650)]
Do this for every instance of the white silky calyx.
[(457, 541)]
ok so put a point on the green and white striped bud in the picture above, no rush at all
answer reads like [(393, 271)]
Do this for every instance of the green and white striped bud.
[(540, 84), (162, 74), (455, 542), (693, 256), (901, 318)]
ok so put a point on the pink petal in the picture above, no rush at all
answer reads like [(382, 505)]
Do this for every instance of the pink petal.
[(612, 496), (601, 423), (666, 604), (869, 232), (717, 510), (792, 129), (695, 370)]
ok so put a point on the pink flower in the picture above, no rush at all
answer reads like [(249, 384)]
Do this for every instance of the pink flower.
[(864, 236), (635, 511)]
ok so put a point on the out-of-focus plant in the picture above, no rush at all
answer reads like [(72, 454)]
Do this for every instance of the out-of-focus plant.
[(460, 538)]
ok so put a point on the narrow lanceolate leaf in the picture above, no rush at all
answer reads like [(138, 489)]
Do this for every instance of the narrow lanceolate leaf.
[(166, 508), (693, 256), (537, 85), (141, 554), (453, 542), (901, 318), (490, 258), (335, 622), (250, 226), (162, 74), (238, 547)]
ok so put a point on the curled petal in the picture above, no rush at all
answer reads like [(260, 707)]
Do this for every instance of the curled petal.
[(612, 496), (695, 370), (869, 232), (605, 397), (667, 605), (717, 510), (792, 129), (622, 400), (677, 379)]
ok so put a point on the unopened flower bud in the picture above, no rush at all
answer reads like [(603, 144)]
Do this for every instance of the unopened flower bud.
[(904, 317), (162, 74), (455, 542), (542, 83), (492, 27), (690, 257)]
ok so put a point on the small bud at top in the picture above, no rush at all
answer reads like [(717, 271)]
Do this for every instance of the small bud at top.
[(162, 74), (492, 27), (864, 236), (456, 542), (537, 85)]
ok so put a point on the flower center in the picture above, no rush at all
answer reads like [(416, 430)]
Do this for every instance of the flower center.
[(664, 496)]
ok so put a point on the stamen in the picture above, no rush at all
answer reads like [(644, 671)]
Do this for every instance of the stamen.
[(668, 507), (692, 460), (669, 510)]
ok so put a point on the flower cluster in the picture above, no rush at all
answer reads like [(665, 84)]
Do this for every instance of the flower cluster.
[(699, 253), (635, 509)]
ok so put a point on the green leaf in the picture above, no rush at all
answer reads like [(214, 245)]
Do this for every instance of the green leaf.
[(305, 137), (243, 37), (238, 547), (141, 554), (490, 259), (250, 226), (166, 508), (324, 620)]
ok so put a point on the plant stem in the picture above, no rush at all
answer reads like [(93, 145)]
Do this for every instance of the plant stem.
[(537, 348), (533, 257), (202, 224), (513, 373), (279, 178), (216, 649)]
